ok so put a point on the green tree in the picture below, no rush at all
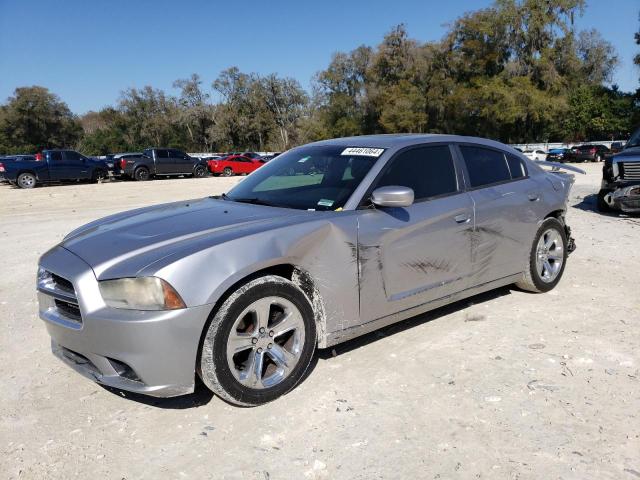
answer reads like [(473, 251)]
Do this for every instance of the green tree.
[(35, 119)]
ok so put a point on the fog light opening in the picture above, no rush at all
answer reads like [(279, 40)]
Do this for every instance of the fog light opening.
[(124, 370)]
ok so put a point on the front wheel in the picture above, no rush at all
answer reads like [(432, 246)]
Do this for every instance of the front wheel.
[(260, 342), (547, 258), (26, 180), (199, 172), (227, 172), (602, 204)]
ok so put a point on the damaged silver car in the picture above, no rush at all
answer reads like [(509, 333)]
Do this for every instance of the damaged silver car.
[(327, 242), (620, 188)]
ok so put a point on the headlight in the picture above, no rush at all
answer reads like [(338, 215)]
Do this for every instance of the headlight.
[(142, 293)]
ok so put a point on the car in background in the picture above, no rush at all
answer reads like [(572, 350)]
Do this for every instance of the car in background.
[(587, 153), (54, 166), (269, 157), (161, 162), (557, 155), (616, 147), (535, 154), (120, 161), (620, 188), (234, 165)]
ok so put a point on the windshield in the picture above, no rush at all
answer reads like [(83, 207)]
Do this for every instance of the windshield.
[(307, 178), (634, 141)]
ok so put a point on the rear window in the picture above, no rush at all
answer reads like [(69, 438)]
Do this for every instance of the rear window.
[(516, 167), (485, 166), (55, 156)]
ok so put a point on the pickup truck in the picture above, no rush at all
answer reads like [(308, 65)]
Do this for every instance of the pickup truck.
[(53, 166), (160, 161)]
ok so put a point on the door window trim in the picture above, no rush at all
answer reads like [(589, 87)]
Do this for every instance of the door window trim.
[(365, 200), (468, 188)]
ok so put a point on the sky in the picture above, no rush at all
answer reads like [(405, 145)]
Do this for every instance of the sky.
[(88, 51)]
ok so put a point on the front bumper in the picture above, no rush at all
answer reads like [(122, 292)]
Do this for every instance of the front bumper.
[(148, 352), (626, 199)]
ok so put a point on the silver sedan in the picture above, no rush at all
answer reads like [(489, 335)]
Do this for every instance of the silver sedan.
[(326, 242)]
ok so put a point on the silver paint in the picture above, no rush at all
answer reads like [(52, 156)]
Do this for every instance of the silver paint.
[(361, 268)]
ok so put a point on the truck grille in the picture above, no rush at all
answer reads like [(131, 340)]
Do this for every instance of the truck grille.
[(630, 170), (65, 301)]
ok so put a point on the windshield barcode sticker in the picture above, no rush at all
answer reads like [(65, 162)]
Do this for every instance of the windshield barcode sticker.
[(363, 151)]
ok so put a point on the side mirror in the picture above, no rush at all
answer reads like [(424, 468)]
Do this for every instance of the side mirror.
[(392, 196)]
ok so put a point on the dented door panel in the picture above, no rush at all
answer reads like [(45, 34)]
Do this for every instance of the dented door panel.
[(410, 256)]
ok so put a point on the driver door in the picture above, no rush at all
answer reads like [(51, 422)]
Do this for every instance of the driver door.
[(410, 256)]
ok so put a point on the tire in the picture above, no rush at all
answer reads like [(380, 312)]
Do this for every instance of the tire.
[(601, 205), (532, 279), (227, 172), (598, 158), (141, 174), (199, 171), (98, 175), (26, 180), (230, 375)]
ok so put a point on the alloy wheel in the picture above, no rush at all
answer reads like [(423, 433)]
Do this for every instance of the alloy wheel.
[(549, 255), (265, 342)]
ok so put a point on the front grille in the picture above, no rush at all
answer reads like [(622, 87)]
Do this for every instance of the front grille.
[(65, 302), (69, 310), (630, 170), (62, 284)]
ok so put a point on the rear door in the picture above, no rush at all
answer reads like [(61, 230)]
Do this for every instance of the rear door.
[(57, 167), (164, 162), (411, 256), (182, 162), (504, 200)]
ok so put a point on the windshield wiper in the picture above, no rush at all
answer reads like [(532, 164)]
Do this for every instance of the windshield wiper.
[(253, 201)]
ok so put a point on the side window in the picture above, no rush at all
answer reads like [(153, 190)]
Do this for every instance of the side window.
[(485, 166), (429, 171), (162, 153), (55, 156), (72, 156), (516, 167)]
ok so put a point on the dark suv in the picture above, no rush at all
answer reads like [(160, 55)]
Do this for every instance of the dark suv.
[(591, 153)]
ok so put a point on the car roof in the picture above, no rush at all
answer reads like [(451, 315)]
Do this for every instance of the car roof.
[(398, 140)]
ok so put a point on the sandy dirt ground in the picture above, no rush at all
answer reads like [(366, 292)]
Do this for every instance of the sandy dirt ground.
[(504, 385)]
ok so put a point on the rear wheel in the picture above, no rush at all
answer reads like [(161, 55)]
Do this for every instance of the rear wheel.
[(259, 343), (598, 158), (547, 258), (227, 172), (141, 174), (602, 205), (98, 175), (26, 180)]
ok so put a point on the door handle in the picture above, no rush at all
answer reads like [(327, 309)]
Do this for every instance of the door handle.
[(533, 197), (462, 218)]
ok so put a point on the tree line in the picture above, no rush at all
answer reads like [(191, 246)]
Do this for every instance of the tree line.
[(518, 72)]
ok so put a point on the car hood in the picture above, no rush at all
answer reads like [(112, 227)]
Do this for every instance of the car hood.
[(129, 241), (628, 155)]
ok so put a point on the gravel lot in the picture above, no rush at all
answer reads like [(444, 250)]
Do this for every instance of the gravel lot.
[(503, 385)]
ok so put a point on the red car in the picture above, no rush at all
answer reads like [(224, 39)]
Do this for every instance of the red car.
[(234, 165)]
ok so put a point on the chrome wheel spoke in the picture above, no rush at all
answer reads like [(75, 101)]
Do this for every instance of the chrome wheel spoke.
[(253, 376), (292, 320), (549, 255), (283, 359), (239, 342)]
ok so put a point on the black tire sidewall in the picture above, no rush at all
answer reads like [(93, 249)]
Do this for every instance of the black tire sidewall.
[(199, 172), (19, 183), (138, 172), (541, 285), (601, 204), (227, 172), (224, 375)]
